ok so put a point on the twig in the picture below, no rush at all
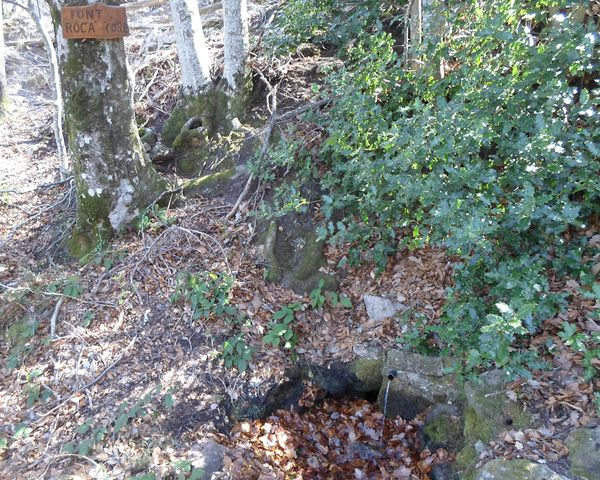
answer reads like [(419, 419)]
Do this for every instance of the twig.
[(55, 316), (150, 83), (65, 455), (92, 383), (17, 227), (304, 108), (57, 294), (54, 184), (265, 142), (155, 3), (193, 233)]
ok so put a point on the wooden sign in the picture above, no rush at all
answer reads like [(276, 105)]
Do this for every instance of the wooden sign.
[(94, 21)]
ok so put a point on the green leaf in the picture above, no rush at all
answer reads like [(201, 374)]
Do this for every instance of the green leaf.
[(21, 431), (85, 446), (144, 476), (82, 429), (197, 474), (121, 422), (69, 448), (99, 434), (169, 402), (242, 365), (345, 301)]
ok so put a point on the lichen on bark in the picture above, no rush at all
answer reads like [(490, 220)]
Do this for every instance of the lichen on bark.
[(114, 179)]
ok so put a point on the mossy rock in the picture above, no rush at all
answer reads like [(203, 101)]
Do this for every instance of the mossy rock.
[(368, 373), (294, 254), (197, 152), (518, 469), (584, 453), (420, 382), (443, 428), (186, 108), (488, 412), (148, 137), (215, 184)]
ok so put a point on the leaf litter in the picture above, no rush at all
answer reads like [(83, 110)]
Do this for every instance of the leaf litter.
[(127, 357)]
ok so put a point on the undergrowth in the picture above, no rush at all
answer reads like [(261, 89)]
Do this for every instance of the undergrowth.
[(490, 150)]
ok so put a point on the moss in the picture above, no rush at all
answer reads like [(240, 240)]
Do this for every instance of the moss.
[(237, 102), (488, 413), (213, 184), (312, 257), (444, 430), (584, 452), (20, 332), (80, 243), (274, 272), (186, 108), (188, 139), (467, 458), (211, 106), (368, 372)]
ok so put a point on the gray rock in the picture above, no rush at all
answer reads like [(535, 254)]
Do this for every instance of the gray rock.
[(208, 456), (443, 471), (488, 412), (161, 153), (442, 428), (520, 469), (294, 254), (148, 137), (584, 453), (379, 308), (420, 382)]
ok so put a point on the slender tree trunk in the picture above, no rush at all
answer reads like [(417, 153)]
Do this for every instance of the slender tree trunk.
[(194, 58), (36, 14), (236, 42), (3, 84), (113, 177)]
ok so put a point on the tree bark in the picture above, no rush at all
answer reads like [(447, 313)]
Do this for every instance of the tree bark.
[(36, 14), (113, 177), (3, 83), (236, 42), (194, 58)]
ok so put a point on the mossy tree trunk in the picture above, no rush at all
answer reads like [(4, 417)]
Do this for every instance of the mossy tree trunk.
[(114, 179), (236, 45), (216, 106), (3, 83), (194, 60), (192, 51)]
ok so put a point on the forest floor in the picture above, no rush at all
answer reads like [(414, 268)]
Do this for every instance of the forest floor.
[(132, 384)]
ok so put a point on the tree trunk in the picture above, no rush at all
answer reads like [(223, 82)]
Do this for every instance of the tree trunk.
[(3, 84), (113, 177), (194, 58), (236, 42), (237, 82), (36, 14)]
